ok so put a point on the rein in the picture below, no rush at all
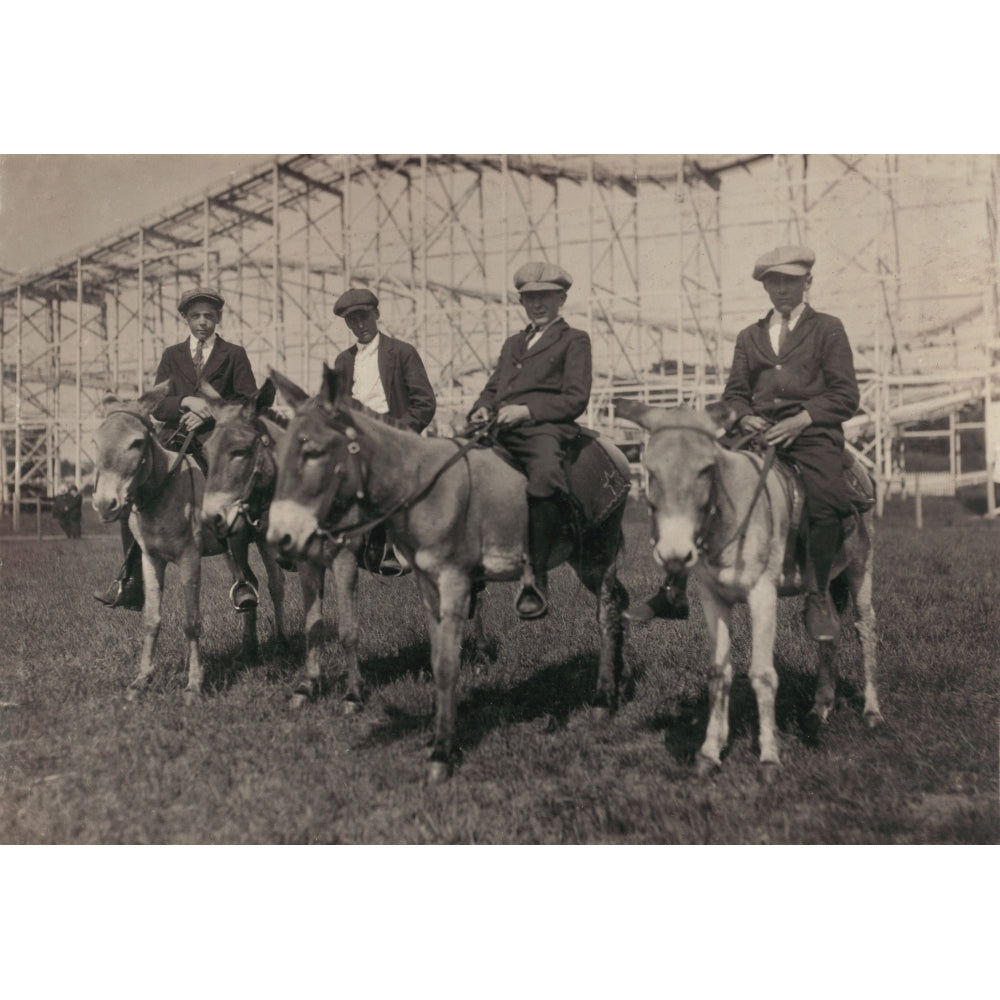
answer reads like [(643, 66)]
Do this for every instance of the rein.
[(325, 527), (147, 450)]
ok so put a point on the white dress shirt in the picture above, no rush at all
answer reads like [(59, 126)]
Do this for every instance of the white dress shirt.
[(367, 381), (774, 327)]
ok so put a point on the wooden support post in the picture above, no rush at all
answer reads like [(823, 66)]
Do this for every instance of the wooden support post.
[(919, 501)]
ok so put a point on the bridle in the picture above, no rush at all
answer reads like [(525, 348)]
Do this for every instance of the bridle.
[(712, 510), (331, 508), (243, 505), (145, 460)]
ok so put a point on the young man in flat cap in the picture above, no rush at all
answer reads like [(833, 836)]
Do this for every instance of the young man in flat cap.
[(203, 357), (540, 387), (793, 379), (388, 376)]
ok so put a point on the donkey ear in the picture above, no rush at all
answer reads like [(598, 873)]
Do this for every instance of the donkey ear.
[(290, 392), (274, 430), (207, 391), (108, 402), (722, 414), (333, 386), (265, 396), (649, 417), (149, 401)]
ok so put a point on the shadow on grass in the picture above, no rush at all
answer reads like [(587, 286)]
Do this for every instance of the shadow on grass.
[(555, 692), (685, 722)]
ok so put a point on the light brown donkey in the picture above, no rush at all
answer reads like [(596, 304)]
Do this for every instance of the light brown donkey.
[(458, 514), (725, 517), (165, 491)]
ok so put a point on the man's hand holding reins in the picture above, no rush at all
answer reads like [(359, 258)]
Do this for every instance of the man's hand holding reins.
[(513, 414), (784, 432)]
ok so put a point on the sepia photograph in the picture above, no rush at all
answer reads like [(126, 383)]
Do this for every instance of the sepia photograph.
[(621, 527)]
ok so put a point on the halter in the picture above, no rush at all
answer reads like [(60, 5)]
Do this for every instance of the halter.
[(147, 452), (339, 536), (242, 506), (713, 509)]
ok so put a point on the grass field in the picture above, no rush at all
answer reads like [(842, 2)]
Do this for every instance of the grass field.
[(79, 765)]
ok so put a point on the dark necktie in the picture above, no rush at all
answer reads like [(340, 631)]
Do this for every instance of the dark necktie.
[(199, 357), (783, 335)]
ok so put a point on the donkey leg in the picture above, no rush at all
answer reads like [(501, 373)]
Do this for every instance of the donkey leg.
[(152, 579), (446, 653), (190, 567), (598, 572), (275, 587), (717, 615), (307, 684), (345, 581), (865, 627), (763, 604)]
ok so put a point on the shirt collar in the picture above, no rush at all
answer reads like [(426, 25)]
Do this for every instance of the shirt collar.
[(534, 331), (207, 349), (372, 346), (793, 317)]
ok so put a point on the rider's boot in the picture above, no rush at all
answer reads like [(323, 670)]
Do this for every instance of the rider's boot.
[(544, 521), (821, 620), (670, 602), (126, 589)]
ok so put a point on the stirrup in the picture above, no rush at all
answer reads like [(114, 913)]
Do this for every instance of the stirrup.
[(248, 604), (530, 602)]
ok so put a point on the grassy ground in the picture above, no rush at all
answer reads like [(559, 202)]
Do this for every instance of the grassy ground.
[(79, 765)]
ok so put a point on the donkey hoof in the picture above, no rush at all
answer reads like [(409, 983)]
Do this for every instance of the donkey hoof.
[(351, 706), (769, 771), (191, 696), (438, 771), (873, 720), (705, 767), (600, 714), (133, 693), (298, 700)]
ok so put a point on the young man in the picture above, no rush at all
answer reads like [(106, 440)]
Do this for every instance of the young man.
[(387, 376), (792, 378), (203, 357), (540, 386)]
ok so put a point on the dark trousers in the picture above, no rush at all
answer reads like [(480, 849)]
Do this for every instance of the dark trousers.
[(820, 457), (539, 451)]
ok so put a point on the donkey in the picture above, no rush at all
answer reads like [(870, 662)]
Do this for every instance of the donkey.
[(458, 513), (242, 473), (165, 490), (727, 517)]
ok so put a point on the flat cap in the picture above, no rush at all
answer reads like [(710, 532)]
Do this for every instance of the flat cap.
[(208, 294), (354, 299), (784, 260), (541, 277)]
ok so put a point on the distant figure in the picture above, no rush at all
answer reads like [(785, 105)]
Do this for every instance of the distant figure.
[(996, 476), (67, 509)]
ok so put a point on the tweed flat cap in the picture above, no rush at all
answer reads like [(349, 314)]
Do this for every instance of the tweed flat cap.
[(208, 294), (354, 299), (784, 260), (541, 277)]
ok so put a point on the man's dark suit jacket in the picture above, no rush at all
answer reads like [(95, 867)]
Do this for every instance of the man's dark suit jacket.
[(404, 380), (552, 378), (227, 370)]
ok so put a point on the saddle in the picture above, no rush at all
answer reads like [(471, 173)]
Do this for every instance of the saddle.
[(598, 484), (860, 488)]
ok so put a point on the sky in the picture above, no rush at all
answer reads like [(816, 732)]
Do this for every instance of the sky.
[(53, 205)]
